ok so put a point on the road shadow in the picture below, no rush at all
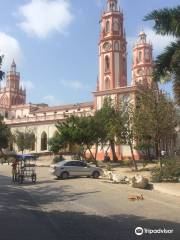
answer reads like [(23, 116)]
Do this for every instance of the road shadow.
[(22, 218), (78, 225), (46, 194)]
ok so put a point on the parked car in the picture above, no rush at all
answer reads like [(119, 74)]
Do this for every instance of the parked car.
[(72, 168)]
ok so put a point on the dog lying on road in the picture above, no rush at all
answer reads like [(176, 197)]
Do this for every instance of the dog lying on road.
[(136, 197)]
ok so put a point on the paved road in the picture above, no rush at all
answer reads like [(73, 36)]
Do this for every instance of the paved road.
[(83, 208)]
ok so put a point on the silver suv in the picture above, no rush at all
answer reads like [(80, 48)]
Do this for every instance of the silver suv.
[(69, 168)]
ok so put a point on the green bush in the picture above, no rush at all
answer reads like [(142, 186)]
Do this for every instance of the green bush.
[(76, 157), (170, 171), (156, 175), (127, 163), (57, 159), (108, 167), (2, 160)]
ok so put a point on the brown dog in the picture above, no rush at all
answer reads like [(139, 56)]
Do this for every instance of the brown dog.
[(136, 197)]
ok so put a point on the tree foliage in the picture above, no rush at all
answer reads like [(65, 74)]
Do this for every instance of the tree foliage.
[(167, 21), (5, 135), (107, 115), (56, 143), (24, 140), (167, 64), (82, 131), (150, 123), (155, 120)]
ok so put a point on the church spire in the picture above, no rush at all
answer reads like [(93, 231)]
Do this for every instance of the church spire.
[(142, 37), (142, 67), (13, 66)]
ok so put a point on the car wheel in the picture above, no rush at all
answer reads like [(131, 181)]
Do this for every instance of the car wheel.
[(96, 174), (64, 175)]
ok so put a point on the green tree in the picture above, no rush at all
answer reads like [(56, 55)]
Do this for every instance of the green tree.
[(155, 120), (81, 131), (124, 127), (24, 140), (56, 143), (5, 135), (167, 64), (107, 115), (117, 119)]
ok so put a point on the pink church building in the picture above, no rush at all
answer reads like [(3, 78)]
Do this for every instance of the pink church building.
[(112, 81)]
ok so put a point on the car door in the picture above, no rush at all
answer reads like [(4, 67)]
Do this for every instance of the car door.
[(71, 168), (83, 169)]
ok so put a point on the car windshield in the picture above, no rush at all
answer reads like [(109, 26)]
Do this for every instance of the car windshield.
[(71, 163), (61, 163)]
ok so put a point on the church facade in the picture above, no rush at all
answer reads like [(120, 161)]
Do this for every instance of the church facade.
[(112, 81)]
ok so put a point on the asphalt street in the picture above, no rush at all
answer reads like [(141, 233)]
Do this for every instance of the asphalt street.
[(82, 208)]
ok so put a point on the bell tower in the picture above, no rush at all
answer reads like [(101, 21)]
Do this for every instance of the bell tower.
[(112, 49), (142, 63), (12, 94)]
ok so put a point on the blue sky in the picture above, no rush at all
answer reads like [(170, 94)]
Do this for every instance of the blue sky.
[(54, 43)]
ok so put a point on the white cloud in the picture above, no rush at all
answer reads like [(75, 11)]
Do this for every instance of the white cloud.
[(43, 17), (10, 48), (50, 98), (76, 85), (159, 42), (28, 85)]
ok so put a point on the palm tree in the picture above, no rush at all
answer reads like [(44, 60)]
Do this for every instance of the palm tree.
[(1, 72), (167, 64)]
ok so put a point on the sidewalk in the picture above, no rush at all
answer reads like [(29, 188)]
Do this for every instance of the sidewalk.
[(169, 188)]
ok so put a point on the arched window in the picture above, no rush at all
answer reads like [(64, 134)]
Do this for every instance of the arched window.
[(116, 26), (140, 56), (6, 114), (33, 142), (4, 100), (107, 26), (16, 100), (147, 56), (107, 83), (13, 100), (107, 64), (116, 46), (43, 141), (56, 134), (112, 6)]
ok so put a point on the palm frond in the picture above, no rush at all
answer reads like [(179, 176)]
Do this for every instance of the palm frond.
[(167, 63), (167, 21), (2, 74)]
